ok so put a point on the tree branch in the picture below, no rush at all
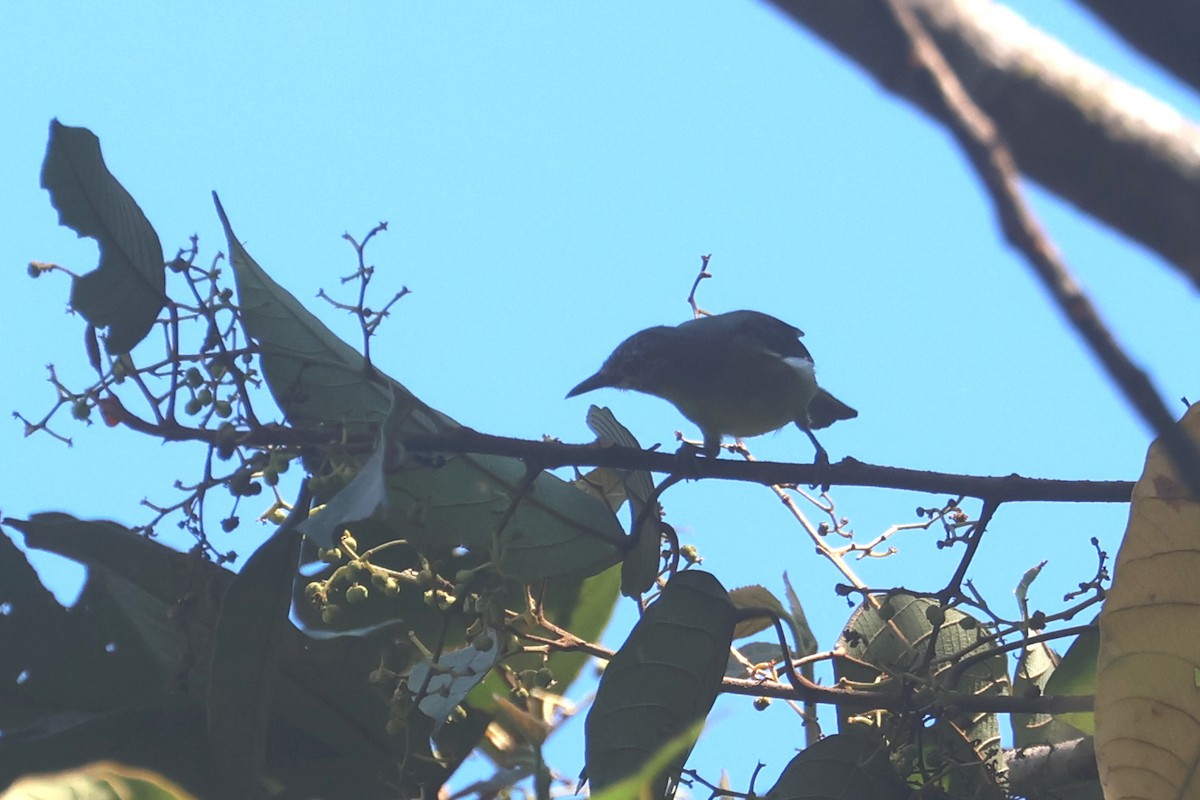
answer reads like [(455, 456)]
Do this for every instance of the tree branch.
[(848, 472), (1038, 771), (993, 161), (1165, 30), (1109, 148), (893, 701)]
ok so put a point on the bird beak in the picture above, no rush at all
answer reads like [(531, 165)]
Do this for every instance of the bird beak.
[(597, 381)]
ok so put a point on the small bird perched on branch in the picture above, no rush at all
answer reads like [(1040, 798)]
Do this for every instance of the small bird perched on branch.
[(742, 373)]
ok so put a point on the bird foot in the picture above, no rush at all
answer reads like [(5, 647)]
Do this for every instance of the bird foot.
[(690, 455), (821, 473)]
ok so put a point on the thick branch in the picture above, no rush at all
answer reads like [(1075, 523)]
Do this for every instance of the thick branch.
[(1109, 148), (993, 161), (1042, 769), (848, 472), (1165, 30)]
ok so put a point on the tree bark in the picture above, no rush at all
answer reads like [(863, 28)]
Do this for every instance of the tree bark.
[(1165, 30), (1115, 152)]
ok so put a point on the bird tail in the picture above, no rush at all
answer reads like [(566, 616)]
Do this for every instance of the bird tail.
[(825, 409)]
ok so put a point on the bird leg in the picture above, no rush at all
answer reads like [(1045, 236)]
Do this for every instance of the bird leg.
[(821, 461), (689, 454)]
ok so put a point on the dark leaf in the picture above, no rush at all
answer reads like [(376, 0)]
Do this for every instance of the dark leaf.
[(126, 292), (662, 681)]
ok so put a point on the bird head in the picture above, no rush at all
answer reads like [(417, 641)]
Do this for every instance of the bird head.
[(633, 364)]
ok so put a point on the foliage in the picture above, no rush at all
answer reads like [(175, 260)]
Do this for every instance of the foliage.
[(420, 599)]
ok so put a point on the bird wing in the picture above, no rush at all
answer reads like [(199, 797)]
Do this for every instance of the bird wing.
[(768, 332)]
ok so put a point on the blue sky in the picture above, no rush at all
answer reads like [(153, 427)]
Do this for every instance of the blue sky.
[(552, 174)]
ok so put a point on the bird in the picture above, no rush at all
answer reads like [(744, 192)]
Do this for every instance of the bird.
[(740, 373)]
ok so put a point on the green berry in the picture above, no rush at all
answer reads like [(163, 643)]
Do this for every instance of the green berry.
[(193, 378), (223, 408), (356, 593), (192, 407), (330, 614), (80, 410), (229, 523), (205, 396)]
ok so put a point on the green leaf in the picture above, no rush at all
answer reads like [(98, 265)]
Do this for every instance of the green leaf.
[(126, 292), (845, 765), (604, 484), (163, 604), (101, 781), (323, 384), (171, 742), (661, 682), (107, 652), (1076, 675), (442, 684), (644, 782), (555, 529), (755, 596), (1035, 669), (1022, 590), (249, 631), (806, 641), (639, 569), (358, 500), (889, 635), (755, 653)]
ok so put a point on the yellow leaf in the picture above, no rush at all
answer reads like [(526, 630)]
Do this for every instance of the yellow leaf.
[(1147, 700)]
